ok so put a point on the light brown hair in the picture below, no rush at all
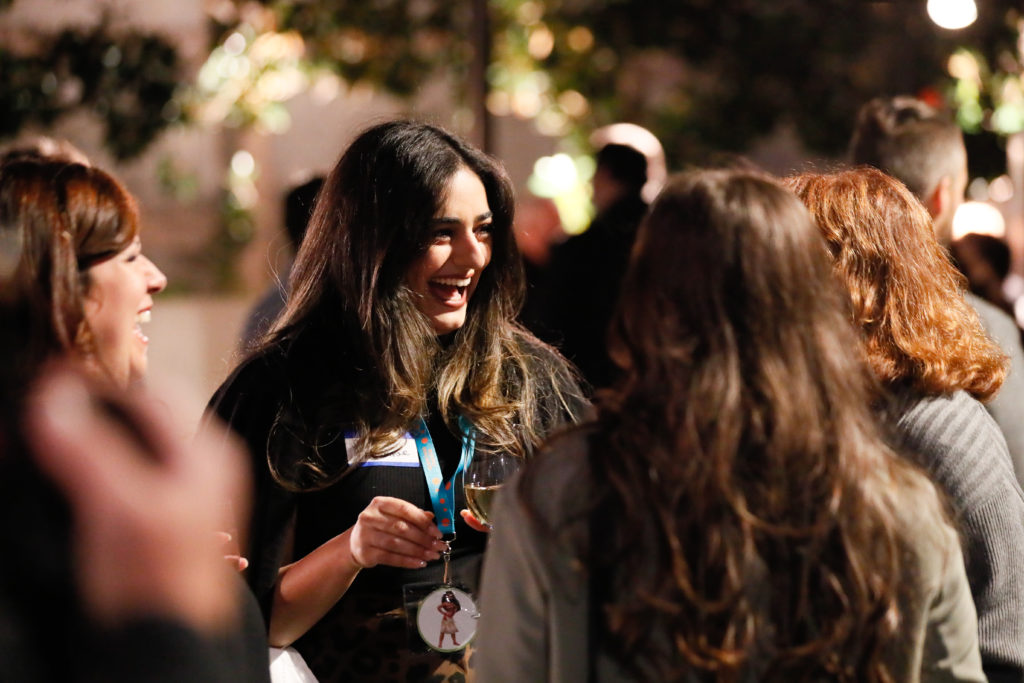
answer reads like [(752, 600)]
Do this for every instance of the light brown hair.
[(746, 501), (57, 219)]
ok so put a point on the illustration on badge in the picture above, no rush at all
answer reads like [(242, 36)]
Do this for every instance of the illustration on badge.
[(447, 619)]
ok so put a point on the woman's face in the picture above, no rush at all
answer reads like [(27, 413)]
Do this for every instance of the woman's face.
[(444, 277), (118, 301)]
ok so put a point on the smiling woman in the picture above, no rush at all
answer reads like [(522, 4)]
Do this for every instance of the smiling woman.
[(445, 276), (118, 301), (400, 323), (81, 257)]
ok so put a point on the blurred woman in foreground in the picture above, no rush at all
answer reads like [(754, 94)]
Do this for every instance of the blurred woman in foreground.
[(925, 344), (733, 513), (118, 576)]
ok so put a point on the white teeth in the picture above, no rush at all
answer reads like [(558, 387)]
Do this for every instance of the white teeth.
[(453, 281), (144, 316)]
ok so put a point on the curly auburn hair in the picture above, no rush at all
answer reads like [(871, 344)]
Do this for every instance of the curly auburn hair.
[(907, 297)]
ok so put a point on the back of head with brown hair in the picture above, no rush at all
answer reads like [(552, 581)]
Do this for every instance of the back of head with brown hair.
[(907, 297), (909, 140), (746, 502)]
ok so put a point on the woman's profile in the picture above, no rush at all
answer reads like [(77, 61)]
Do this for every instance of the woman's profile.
[(110, 558)]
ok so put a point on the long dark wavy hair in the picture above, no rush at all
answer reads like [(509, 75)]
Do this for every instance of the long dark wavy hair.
[(357, 344), (746, 500), (907, 296)]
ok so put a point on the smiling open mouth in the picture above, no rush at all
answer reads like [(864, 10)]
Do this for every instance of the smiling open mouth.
[(450, 290), (141, 318)]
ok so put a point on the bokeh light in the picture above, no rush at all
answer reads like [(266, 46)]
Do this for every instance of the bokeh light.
[(1000, 190), (580, 39), (553, 175), (565, 180), (953, 14), (243, 164), (978, 217), (541, 43)]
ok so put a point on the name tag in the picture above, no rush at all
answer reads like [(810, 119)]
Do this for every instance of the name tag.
[(404, 456)]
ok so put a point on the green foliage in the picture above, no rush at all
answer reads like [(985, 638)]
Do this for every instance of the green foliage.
[(392, 44), (744, 67), (127, 81), (705, 75), (989, 81)]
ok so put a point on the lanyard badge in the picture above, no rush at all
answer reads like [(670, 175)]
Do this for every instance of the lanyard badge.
[(442, 493), (446, 616)]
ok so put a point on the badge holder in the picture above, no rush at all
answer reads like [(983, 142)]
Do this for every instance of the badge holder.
[(441, 617)]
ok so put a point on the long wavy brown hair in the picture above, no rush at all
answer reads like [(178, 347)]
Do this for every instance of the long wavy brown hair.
[(746, 502), (908, 298), (358, 347)]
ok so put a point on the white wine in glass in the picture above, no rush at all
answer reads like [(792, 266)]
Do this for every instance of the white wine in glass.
[(485, 475)]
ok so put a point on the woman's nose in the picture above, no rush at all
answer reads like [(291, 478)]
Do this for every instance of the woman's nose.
[(155, 279), (472, 252)]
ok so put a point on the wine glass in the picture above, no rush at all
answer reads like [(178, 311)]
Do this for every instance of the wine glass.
[(485, 475)]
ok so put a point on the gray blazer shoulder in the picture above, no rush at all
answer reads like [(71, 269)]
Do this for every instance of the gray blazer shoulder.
[(1007, 408)]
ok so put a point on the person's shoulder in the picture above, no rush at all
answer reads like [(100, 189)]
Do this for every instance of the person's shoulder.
[(929, 540), (958, 442), (933, 413), (566, 454), (996, 322), (260, 373), (540, 355), (555, 482), (259, 366)]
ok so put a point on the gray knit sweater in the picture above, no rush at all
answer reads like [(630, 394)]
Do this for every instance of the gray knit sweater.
[(959, 444)]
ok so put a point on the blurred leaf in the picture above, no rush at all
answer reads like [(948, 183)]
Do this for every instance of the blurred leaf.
[(127, 80)]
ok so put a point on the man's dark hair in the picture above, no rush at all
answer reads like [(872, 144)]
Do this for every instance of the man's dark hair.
[(909, 140), (625, 164)]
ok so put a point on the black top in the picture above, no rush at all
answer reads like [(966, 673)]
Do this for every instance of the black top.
[(574, 298), (364, 636)]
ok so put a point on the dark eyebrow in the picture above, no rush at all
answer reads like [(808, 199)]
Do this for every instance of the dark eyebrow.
[(447, 220)]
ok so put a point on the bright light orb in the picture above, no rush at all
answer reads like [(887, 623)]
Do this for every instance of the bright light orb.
[(953, 14), (1000, 190), (554, 175), (979, 217), (243, 164)]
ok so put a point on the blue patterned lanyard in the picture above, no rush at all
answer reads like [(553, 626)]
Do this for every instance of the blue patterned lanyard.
[(442, 493)]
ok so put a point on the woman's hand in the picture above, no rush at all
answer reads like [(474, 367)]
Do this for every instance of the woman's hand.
[(396, 533), (388, 532), (471, 520), (231, 551), (145, 503)]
